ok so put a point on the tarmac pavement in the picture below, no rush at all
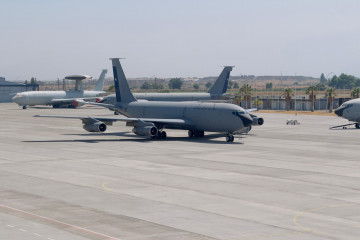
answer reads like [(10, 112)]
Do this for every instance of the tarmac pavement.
[(280, 181)]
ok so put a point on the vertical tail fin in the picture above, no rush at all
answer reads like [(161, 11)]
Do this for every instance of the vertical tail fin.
[(122, 90), (221, 84), (100, 83)]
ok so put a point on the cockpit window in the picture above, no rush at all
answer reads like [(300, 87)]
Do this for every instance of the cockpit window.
[(238, 113), (346, 105)]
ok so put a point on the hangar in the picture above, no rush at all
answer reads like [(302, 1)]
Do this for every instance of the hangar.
[(9, 89)]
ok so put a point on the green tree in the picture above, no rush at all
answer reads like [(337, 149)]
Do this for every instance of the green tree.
[(323, 80), (288, 93), (146, 85), (196, 86), (157, 85), (330, 93), (236, 85), (344, 81), (26, 82), (175, 83), (312, 96), (237, 100), (257, 102), (33, 80), (320, 87), (355, 93), (111, 88), (246, 92), (208, 85)]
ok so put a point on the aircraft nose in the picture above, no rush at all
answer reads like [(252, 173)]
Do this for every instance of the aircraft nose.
[(339, 111), (246, 119), (16, 97)]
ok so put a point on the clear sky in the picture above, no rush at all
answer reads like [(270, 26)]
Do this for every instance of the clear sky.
[(50, 39)]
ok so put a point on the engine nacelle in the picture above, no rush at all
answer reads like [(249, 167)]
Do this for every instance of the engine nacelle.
[(95, 127), (257, 121), (146, 131)]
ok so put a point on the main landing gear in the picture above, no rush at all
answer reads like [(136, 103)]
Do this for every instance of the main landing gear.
[(24, 107), (193, 133), (160, 135), (229, 137)]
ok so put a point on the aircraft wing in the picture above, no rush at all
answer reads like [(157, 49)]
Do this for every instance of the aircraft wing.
[(134, 121), (80, 101)]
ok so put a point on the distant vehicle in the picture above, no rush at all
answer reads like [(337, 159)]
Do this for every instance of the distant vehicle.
[(292, 122), (349, 110), (150, 118), (62, 98), (216, 92)]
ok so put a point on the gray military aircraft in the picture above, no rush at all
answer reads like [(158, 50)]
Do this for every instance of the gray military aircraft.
[(349, 110), (150, 118), (216, 92), (62, 98)]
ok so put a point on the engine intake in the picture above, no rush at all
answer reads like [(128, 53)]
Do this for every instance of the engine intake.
[(95, 127), (257, 121), (145, 131)]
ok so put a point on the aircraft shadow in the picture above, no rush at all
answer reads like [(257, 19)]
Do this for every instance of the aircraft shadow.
[(343, 129), (207, 139)]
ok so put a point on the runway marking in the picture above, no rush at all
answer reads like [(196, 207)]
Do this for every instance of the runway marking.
[(23, 230), (313, 210), (107, 237), (37, 234), (10, 226)]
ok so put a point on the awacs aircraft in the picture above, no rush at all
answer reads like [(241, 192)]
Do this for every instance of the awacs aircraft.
[(150, 118), (349, 110), (62, 98), (216, 92)]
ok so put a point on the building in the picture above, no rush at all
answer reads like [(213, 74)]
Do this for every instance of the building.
[(9, 89)]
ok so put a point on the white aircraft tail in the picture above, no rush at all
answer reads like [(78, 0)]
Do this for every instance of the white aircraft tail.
[(221, 84), (100, 83), (122, 90)]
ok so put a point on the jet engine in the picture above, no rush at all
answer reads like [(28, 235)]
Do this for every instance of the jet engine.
[(146, 131), (257, 121), (95, 127)]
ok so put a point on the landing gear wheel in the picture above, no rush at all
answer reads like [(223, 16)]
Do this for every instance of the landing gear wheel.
[(229, 138), (24, 107), (357, 125), (201, 133), (191, 133), (162, 135)]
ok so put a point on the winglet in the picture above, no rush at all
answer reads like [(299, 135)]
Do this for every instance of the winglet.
[(122, 90), (221, 84)]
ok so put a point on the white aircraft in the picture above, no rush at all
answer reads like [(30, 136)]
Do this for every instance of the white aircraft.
[(349, 110), (216, 92), (62, 98), (150, 118)]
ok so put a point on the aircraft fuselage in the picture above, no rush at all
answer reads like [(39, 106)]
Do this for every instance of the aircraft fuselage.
[(217, 117), (47, 97)]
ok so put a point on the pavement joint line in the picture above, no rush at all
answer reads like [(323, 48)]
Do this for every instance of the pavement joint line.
[(314, 210), (60, 223)]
